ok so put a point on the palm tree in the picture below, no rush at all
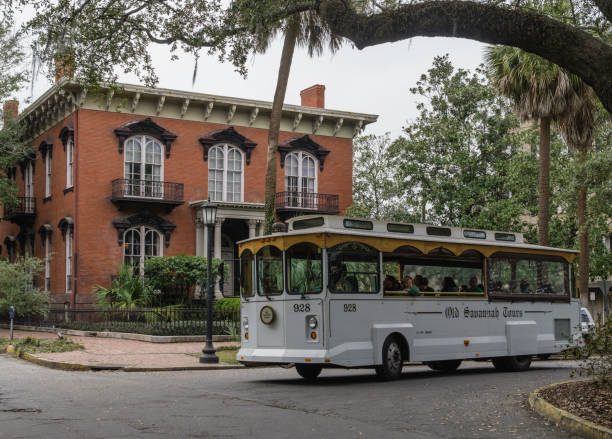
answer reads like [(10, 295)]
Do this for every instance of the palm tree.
[(539, 90), (577, 127), (305, 29)]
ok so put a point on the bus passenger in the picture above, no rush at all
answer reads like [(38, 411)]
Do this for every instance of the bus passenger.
[(409, 288), (418, 281), (474, 286), (449, 285), (425, 286), (391, 284)]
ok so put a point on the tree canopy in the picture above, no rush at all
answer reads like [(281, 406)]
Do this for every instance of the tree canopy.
[(105, 34)]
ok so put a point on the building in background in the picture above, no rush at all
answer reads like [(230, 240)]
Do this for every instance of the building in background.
[(121, 175)]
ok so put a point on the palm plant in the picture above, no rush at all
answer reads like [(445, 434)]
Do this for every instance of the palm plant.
[(305, 29), (577, 127), (540, 90), (128, 290)]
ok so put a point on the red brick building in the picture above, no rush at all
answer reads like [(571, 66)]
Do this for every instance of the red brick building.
[(122, 175)]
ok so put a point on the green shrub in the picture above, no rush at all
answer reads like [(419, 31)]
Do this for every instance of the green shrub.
[(177, 276), (596, 356), (228, 304), (128, 290), (17, 287), (33, 345)]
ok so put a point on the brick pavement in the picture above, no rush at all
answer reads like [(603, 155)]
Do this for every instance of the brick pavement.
[(125, 353)]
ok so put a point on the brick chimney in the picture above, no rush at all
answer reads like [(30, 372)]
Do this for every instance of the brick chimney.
[(313, 96), (10, 110), (64, 66)]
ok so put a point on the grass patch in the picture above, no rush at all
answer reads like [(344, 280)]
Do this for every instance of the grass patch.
[(4, 342), (226, 354), (45, 345)]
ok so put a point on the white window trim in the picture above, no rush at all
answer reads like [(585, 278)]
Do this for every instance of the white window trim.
[(143, 154), (142, 230), (69, 260), (47, 262), (48, 169), (226, 147), (300, 156), (29, 180), (69, 163)]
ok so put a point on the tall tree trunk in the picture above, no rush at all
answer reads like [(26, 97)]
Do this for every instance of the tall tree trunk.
[(275, 121), (544, 181), (583, 230)]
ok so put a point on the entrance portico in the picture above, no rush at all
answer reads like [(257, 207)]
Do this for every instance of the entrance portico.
[(235, 222)]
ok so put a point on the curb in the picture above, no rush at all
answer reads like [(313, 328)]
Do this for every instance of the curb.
[(124, 335), (565, 419), (58, 365)]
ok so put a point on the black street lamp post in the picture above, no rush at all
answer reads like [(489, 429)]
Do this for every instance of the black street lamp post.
[(208, 353)]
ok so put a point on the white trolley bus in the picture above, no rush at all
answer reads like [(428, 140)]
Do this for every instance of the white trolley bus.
[(332, 291)]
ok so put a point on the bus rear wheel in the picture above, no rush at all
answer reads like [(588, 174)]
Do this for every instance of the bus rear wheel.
[(308, 371), (516, 363), (392, 360), (445, 365)]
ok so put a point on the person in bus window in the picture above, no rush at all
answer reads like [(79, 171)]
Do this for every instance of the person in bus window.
[(391, 284), (425, 286), (474, 286), (418, 281), (449, 285), (409, 288)]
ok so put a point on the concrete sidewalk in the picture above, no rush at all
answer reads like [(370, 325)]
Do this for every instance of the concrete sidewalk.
[(128, 355)]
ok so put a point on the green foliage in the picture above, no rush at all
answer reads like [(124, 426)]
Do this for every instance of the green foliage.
[(44, 345), (17, 287), (176, 276), (128, 290), (228, 304), (596, 356)]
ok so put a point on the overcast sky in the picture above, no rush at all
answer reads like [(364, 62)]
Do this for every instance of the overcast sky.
[(376, 80)]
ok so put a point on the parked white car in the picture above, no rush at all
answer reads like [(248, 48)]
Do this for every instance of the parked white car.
[(587, 324)]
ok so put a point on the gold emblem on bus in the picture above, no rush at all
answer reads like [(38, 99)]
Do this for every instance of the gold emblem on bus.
[(267, 315)]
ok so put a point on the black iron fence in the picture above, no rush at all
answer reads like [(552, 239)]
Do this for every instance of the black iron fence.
[(163, 190), (153, 321), (24, 206), (327, 203)]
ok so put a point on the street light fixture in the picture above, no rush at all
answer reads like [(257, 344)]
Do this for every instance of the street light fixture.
[(209, 212)]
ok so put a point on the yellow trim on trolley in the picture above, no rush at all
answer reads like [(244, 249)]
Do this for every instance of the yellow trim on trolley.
[(389, 245)]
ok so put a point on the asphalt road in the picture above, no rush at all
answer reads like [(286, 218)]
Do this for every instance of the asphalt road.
[(474, 402)]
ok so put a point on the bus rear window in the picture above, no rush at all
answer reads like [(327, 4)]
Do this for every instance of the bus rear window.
[(353, 268)]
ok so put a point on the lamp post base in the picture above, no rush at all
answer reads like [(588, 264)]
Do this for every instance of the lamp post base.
[(208, 355)]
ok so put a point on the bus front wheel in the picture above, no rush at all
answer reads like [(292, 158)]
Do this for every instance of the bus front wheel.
[(308, 371), (512, 364), (392, 360), (445, 365)]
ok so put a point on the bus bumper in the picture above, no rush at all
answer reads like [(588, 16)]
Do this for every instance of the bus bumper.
[(282, 356)]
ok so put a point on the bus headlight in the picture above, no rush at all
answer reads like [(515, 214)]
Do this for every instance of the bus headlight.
[(312, 322), (245, 324)]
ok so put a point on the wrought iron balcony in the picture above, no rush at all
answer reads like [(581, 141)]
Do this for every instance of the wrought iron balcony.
[(288, 203), (24, 210), (126, 192)]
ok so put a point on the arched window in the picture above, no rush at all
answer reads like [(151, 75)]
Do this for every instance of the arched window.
[(143, 167), (140, 243), (301, 179), (225, 173)]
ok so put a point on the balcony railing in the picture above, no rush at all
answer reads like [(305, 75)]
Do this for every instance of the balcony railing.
[(162, 192), (26, 207), (304, 201)]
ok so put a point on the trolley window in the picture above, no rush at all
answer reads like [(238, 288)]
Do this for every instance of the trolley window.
[(246, 274), (516, 276), (353, 268), (269, 271), (303, 264)]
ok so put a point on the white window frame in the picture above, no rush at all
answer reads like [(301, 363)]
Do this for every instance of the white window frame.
[(47, 262), (29, 180), (300, 156), (69, 278), (48, 170), (142, 230), (143, 155), (69, 163), (226, 147)]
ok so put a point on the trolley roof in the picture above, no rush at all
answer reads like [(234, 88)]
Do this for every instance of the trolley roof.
[(386, 236)]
